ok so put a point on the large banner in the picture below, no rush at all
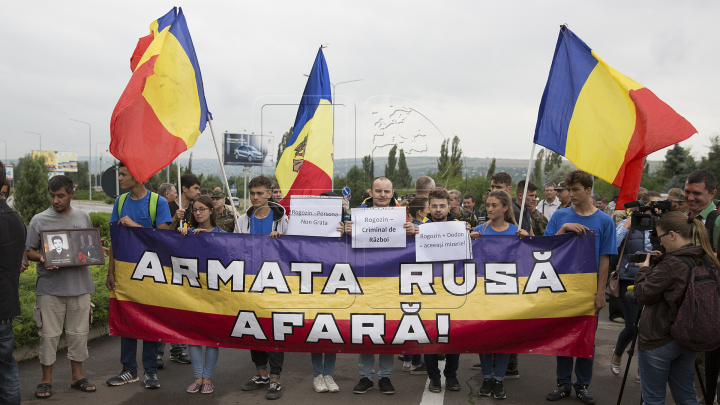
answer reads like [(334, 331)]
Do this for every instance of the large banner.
[(58, 161), (306, 294), (248, 150)]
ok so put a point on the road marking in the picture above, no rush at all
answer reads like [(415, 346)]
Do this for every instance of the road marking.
[(435, 398)]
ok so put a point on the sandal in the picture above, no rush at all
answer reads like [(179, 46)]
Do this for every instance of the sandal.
[(83, 385), (43, 388), (193, 388), (207, 388)]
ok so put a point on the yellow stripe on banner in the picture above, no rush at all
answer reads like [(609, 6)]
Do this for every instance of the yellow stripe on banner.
[(603, 122), (156, 45), (318, 148), (381, 295)]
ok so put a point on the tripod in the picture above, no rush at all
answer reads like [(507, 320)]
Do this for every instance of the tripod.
[(631, 350)]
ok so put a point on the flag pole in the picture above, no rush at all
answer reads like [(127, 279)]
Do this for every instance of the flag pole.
[(222, 169), (179, 189), (527, 182)]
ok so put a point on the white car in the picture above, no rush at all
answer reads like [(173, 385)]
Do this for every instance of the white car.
[(236, 201)]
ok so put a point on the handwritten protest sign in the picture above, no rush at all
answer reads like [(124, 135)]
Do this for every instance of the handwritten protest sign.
[(442, 241), (315, 216), (378, 227)]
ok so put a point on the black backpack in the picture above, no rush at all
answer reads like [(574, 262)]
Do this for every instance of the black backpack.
[(697, 325)]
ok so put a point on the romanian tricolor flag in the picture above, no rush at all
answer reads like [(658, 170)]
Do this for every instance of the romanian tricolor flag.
[(162, 110), (601, 120), (306, 165)]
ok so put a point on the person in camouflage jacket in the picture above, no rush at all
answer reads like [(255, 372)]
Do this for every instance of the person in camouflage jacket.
[(223, 212), (459, 213), (538, 220)]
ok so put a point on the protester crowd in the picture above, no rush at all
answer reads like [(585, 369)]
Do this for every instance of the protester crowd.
[(690, 230)]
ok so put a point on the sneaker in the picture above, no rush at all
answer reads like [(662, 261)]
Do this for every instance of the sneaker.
[(435, 385), (123, 378), (498, 390), (477, 366), (363, 386), (160, 362), (584, 395), (386, 386), (486, 389), (614, 367), (331, 385), (319, 384), (274, 392), (181, 358), (452, 384), (559, 393), (419, 370), (256, 383), (512, 374), (151, 380), (407, 365)]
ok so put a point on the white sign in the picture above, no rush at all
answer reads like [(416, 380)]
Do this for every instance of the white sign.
[(9, 172), (378, 227), (315, 216), (442, 241)]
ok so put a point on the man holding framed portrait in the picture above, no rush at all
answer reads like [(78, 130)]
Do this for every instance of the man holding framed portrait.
[(64, 283)]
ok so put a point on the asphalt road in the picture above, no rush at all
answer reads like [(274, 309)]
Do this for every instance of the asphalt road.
[(86, 206), (234, 368)]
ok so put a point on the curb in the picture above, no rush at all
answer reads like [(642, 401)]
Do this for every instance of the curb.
[(31, 352)]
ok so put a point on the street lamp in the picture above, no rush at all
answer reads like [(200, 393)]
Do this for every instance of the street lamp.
[(90, 157), (6, 161), (332, 177), (28, 132)]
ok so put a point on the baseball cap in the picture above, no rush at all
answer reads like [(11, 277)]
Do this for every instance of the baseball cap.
[(560, 186), (218, 194)]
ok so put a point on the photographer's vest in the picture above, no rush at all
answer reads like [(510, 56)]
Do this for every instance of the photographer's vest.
[(635, 243)]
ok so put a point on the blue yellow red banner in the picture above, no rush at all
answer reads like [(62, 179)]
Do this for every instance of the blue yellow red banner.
[(305, 294)]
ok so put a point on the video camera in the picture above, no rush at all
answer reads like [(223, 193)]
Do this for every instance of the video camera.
[(645, 219)]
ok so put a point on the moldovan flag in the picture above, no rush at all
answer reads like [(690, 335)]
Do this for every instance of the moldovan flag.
[(601, 120), (306, 165), (162, 110)]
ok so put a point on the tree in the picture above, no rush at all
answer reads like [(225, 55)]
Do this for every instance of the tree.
[(31, 190), (552, 161), (368, 168), (536, 176), (558, 173), (455, 168), (188, 169), (356, 182), (491, 170), (404, 178), (711, 163), (443, 162), (678, 164), (390, 171), (80, 178), (283, 143)]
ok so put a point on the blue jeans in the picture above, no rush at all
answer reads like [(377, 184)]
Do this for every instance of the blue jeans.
[(207, 370), (629, 313), (320, 368), (9, 380), (671, 365), (452, 361), (501, 365), (128, 353), (366, 365)]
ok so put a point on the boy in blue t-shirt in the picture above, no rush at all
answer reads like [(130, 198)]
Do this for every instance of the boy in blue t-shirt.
[(136, 213), (581, 217)]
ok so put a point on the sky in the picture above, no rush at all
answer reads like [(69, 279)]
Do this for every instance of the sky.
[(429, 70)]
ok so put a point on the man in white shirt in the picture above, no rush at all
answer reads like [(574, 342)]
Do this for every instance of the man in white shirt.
[(550, 204)]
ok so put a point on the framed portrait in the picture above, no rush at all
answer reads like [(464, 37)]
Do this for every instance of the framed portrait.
[(72, 247)]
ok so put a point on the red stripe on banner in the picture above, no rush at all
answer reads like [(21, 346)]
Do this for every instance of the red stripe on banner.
[(138, 138), (573, 336), (657, 126), (311, 180)]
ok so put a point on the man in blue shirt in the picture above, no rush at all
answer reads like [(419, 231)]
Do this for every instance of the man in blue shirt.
[(579, 218), (264, 217), (136, 213)]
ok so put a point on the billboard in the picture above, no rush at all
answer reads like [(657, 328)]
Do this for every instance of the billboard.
[(58, 161), (248, 150), (9, 172)]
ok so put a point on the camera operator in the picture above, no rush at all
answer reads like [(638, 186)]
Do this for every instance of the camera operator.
[(633, 241), (661, 288)]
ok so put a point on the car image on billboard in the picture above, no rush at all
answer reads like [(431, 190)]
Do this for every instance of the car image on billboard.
[(248, 150)]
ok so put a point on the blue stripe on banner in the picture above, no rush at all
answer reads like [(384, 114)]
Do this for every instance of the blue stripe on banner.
[(167, 19), (572, 64), (317, 88), (570, 254)]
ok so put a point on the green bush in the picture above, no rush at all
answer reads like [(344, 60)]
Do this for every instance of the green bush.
[(26, 332), (82, 194), (31, 187), (101, 221)]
